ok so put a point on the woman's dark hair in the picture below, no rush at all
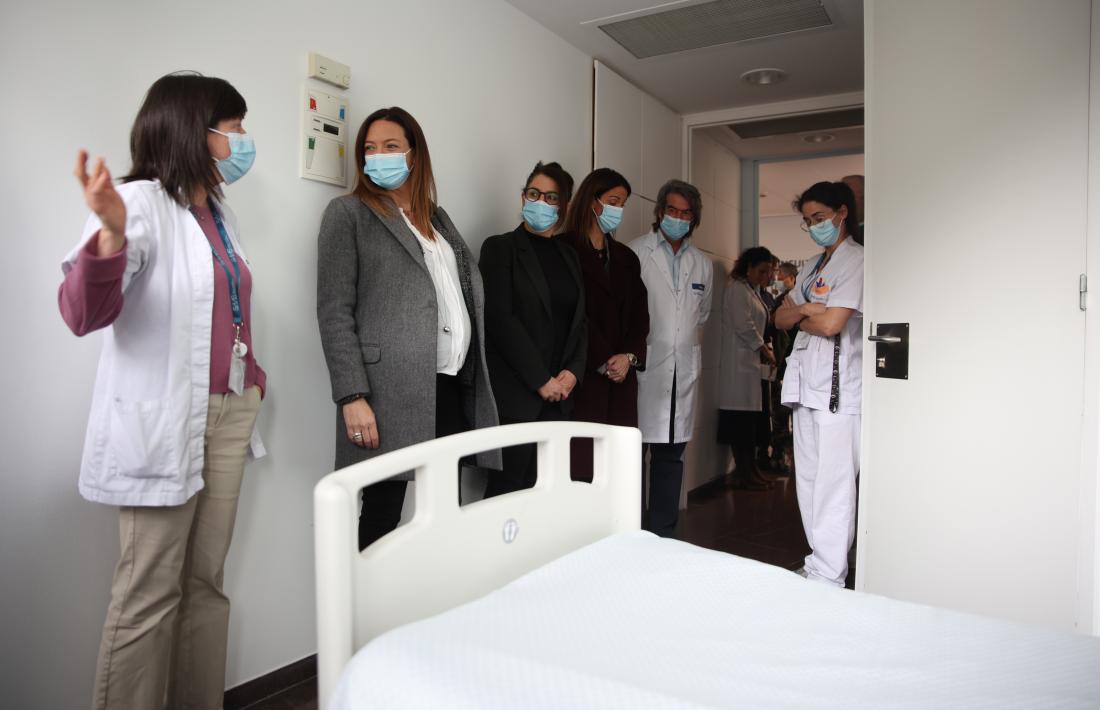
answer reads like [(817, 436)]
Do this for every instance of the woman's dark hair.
[(561, 178), (422, 195), (834, 195), (168, 140), (750, 258), (594, 186), (685, 190)]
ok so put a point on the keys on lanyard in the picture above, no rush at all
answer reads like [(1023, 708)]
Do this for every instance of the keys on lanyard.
[(239, 350)]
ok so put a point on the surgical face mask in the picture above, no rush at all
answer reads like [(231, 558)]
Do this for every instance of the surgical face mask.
[(387, 170), (824, 233), (242, 153), (778, 286), (675, 229), (610, 219), (539, 216)]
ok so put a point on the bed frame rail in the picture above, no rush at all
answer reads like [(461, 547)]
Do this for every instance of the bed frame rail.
[(448, 554)]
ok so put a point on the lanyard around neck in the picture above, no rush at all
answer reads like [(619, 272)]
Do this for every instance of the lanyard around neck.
[(809, 282), (234, 277)]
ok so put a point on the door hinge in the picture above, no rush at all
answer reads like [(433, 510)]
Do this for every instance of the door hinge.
[(1083, 292)]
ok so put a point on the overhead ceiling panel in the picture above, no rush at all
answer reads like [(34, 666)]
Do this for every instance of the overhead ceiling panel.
[(715, 23), (803, 123)]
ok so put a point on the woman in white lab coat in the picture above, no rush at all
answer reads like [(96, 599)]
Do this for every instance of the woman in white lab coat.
[(744, 351), (159, 267), (822, 383)]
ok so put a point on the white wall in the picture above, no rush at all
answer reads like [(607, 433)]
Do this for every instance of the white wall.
[(717, 173), (639, 137), (460, 68)]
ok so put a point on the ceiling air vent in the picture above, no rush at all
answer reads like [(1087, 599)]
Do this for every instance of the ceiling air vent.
[(714, 23), (827, 120)]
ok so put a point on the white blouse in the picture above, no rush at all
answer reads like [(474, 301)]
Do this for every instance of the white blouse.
[(454, 320)]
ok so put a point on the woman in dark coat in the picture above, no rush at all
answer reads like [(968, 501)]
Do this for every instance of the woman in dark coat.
[(536, 337), (618, 310)]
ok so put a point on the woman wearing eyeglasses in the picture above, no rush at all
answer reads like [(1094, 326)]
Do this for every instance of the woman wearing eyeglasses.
[(400, 307), (823, 382), (535, 323), (618, 312)]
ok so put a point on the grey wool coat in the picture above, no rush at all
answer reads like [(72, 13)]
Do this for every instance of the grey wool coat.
[(376, 309)]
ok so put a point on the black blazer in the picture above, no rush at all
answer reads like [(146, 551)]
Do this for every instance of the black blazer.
[(519, 325)]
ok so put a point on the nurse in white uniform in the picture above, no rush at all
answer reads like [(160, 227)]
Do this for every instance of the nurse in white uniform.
[(823, 379)]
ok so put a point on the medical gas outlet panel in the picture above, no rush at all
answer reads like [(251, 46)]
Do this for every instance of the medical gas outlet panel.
[(324, 134)]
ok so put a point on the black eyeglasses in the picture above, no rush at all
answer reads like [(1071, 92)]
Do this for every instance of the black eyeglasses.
[(534, 195)]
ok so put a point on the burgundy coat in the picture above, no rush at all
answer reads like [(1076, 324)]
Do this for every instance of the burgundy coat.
[(618, 322)]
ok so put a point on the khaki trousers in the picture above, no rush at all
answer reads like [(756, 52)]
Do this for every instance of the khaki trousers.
[(164, 641)]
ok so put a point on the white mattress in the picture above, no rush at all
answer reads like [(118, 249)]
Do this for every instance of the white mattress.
[(635, 621)]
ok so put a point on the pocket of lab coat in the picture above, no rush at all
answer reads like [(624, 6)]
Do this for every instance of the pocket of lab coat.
[(141, 441)]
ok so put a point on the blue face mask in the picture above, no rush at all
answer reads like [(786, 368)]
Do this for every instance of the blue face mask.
[(242, 153), (387, 170), (675, 229), (824, 233), (539, 216), (610, 219)]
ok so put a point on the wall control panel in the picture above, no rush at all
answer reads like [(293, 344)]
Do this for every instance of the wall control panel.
[(324, 137)]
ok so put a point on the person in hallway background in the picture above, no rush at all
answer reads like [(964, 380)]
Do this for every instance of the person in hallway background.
[(744, 350), (400, 307), (615, 301), (536, 329), (782, 459), (677, 278), (855, 182), (767, 375), (823, 381), (175, 403)]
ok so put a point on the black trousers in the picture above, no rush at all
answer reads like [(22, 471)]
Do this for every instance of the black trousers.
[(383, 501), (666, 477), (520, 462), (764, 420), (742, 438)]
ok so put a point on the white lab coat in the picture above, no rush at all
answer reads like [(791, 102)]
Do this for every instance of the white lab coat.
[(676, 318), (744, 317), (145, 438)]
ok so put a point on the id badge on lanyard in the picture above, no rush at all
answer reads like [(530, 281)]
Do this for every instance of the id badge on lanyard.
[(239, 349)]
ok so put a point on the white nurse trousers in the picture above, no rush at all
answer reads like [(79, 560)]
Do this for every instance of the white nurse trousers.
[(826, 461)]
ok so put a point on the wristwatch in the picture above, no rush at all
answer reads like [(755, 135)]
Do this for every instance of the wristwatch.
[(351, 398), (633, 359)]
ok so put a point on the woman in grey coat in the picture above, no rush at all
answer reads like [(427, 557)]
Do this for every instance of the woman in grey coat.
[(400, 306)]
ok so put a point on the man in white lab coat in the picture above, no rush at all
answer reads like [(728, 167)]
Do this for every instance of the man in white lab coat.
[(678, 278)]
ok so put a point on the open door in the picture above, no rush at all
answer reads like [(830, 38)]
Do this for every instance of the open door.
[(977, 164)]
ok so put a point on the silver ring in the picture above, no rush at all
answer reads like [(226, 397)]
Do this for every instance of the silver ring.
[(357, 435)]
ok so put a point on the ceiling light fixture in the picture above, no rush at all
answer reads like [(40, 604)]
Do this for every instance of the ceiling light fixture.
[(818, 137), (764, 77)]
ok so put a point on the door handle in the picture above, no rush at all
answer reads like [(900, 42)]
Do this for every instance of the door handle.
[(884, 338)]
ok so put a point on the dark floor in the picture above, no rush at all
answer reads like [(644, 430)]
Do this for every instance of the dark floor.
[(761, 525)]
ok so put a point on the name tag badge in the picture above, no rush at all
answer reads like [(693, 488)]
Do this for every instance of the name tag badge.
[(698, 288)]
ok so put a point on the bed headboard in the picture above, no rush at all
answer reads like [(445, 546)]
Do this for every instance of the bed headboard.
[(447, 555)]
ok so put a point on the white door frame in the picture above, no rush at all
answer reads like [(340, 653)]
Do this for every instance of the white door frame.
[(1089, 552)]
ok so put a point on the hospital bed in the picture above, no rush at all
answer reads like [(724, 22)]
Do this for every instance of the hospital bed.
[(553, 598)]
